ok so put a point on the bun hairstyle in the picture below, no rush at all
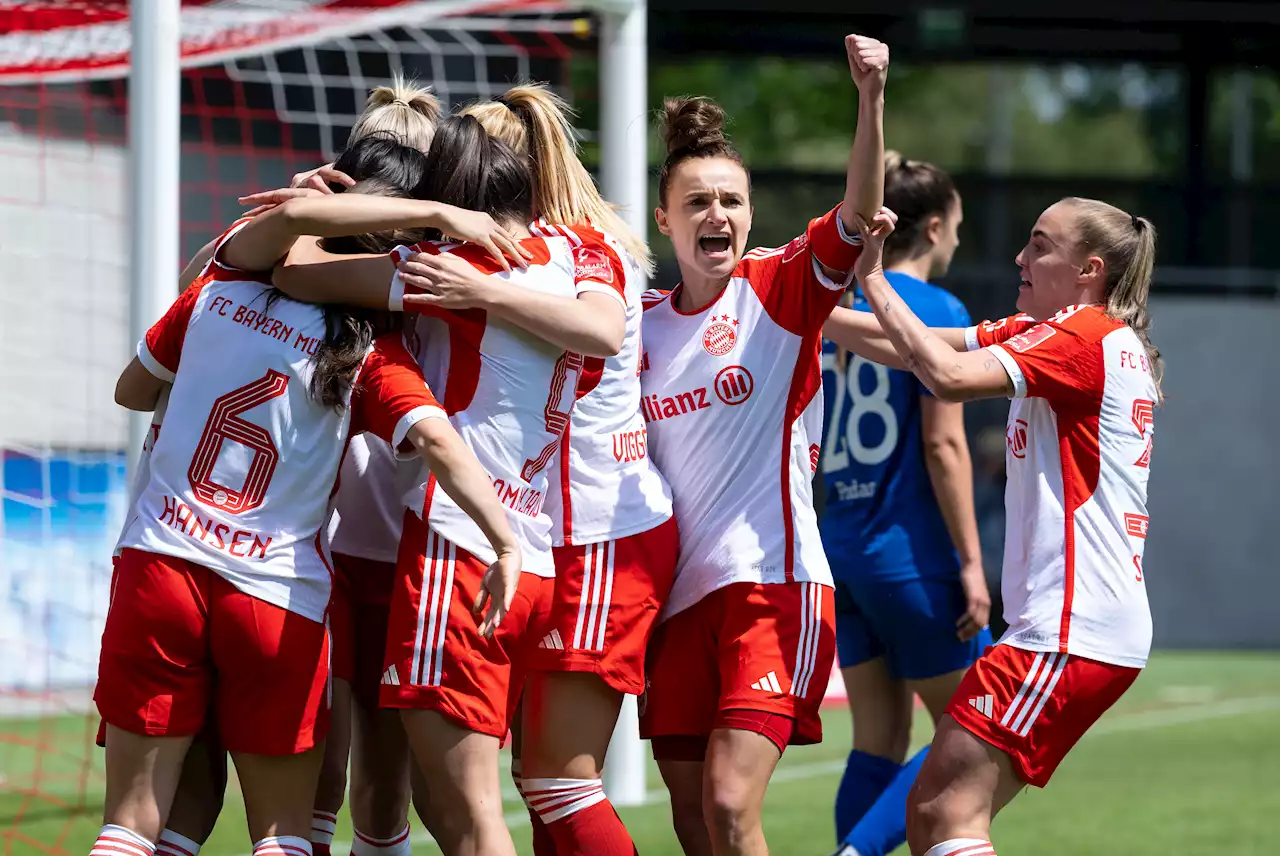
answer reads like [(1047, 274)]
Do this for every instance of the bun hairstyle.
[(693, 127), (404, 110), (916, 191), (535, 123)]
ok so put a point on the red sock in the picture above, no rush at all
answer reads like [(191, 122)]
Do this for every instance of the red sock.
[(580, 819)]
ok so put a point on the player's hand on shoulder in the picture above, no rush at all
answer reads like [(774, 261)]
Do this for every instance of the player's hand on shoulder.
[(445, 281)]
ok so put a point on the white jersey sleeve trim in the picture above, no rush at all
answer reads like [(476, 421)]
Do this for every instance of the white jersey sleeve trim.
[(827, 282), (413, 417), (395, 298), (854, 239), (151, 364), (600, 288), (217, 250), (971, 342), (1011, 367)]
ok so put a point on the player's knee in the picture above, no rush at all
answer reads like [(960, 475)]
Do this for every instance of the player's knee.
[(379, 809), (930, 814), (730, 809), (889, 740)]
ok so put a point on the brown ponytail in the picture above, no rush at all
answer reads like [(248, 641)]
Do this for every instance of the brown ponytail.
[(534, 121), (916, 191), (693, 127), (1127, 245)]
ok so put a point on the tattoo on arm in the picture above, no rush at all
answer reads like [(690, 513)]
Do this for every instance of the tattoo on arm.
[(989, 364)]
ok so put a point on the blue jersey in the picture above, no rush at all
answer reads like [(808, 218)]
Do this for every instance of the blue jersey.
[(882, 517)]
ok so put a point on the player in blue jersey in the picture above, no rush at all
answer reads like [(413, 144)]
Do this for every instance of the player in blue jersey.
[(899, 526)]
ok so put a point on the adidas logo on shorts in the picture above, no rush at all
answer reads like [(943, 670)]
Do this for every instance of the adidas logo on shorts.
[(769, 683), (552, 640), (390, 677), (982, 704)]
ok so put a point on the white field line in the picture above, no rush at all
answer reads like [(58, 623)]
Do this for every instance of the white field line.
[(1114, 725)]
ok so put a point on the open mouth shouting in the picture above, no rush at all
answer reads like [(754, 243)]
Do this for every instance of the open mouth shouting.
[(715, 247)]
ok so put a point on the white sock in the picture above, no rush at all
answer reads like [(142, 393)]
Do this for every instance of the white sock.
[(323, 825), (116, 840), (553, 799), (398, 845), (282, 845), (962, 847), (174, 844)]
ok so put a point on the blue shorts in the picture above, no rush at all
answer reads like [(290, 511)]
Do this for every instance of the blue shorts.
[(911, 623)]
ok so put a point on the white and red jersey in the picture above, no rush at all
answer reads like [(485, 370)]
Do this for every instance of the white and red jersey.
[(242, 476), (368, 515), (1078, 458), (604, 484), (142, 469), (733, 400), (507, 392)]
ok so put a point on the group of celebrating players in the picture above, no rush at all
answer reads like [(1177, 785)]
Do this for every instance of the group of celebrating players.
[(430, 468)]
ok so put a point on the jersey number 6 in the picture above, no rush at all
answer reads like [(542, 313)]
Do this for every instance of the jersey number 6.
[(225, 423)]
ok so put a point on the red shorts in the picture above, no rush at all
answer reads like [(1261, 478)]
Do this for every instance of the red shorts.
[(436, 658), (1034, 706), (182, 643), (361, 605), (607, 600), (763, 648)]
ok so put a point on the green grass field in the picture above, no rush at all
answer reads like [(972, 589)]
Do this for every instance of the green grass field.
[(1187, 762)]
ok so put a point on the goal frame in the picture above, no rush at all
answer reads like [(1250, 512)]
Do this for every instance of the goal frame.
[(154, 154)]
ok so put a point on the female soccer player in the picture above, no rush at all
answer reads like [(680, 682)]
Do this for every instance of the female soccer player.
[(614, 535), (732, 391), (899, 526), (1084, 377), (223, 585), (406, 113)]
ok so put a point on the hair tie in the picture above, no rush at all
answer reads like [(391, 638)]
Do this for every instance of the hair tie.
[(400, 101), (1137, 224)]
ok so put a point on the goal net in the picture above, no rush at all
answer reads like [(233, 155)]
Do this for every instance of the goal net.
[(269, 87)]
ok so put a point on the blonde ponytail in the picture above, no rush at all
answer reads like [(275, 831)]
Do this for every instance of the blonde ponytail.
[(404, 110), (534, 121), (1127, 245)]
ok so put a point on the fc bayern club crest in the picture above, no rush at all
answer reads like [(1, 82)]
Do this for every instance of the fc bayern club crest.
[(720, 336)]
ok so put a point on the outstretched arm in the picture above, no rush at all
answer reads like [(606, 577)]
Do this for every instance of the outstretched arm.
[(268, 237), (949, 375), (861, 333), (592, 324), (864, 181)]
